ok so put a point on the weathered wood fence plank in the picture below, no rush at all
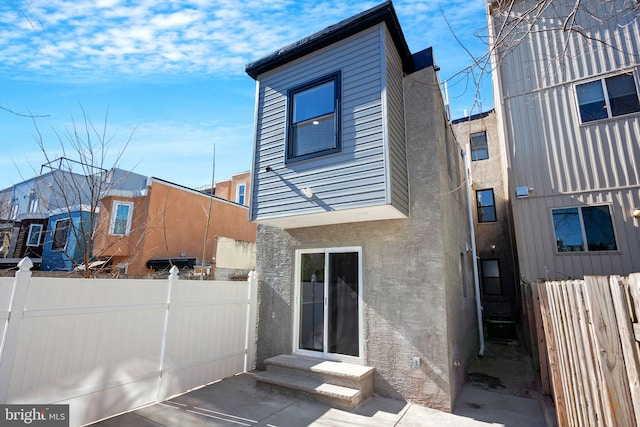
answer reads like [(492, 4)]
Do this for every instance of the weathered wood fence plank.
[(589, 332), (619, 411), (556, 370)]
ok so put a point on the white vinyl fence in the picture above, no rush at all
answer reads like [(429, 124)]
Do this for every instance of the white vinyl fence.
[(109, 346)]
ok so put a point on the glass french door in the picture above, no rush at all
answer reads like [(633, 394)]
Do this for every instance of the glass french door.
[(329, 303)]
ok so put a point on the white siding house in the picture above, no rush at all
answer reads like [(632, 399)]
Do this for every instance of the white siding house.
[(569, 114)]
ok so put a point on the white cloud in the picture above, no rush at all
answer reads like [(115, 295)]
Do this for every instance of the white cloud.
[(164, 36)]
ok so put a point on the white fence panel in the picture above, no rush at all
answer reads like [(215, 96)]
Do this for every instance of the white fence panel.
[(109, 346), (6, 289), (205, 336)]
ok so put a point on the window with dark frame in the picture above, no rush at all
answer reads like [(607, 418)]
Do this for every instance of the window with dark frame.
[(479, 148), (491, 283), (313, 119), (35, 235), (574, 226), (60, 234), (486, 205), (608, 97)]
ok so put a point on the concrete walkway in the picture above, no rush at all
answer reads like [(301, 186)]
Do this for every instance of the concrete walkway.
[(236, 401)]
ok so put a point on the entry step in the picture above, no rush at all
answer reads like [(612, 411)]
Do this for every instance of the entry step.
[(338, 384)]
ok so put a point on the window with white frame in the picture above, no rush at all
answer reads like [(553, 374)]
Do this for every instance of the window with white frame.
[(33, 202), (241, 190), (608, 97), (479, 148), (15, 208), (583, 229), (121, 218), (313, 118), (60, 234), (35, 235)]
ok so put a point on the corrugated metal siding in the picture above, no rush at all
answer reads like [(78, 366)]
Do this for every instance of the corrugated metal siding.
[(395, 128), (565, 162), (548, 58), (354, 177), (537, 248)]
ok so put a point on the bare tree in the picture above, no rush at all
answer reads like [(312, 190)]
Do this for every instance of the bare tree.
[(82, 177), (568, 28)]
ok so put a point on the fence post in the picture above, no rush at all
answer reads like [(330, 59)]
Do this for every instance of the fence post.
[(163, 381), (16, 309), (250, 342)]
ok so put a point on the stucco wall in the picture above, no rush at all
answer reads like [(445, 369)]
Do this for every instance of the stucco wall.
[(413, 303), (494, 240), (172, 221), (235, 254)]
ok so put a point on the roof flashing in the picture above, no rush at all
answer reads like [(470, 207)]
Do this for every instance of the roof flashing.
[(384, 12)]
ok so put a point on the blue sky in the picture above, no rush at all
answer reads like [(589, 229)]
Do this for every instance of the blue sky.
[(170, 76)]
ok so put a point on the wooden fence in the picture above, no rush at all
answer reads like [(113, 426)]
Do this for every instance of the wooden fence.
[(587, 335), (109, 346)]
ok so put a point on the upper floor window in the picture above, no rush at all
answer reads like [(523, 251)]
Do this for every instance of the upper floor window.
[(486, 205), (479, 148), (313, 118), (608, 97), (121, 218), (35, 233), (33, 202), (575, 226), (241, 189), (60, 234)]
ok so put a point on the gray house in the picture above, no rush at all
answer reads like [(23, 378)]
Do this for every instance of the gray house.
[(568, 110), (363, 246)]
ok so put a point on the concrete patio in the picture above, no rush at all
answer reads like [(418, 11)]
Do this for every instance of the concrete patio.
[(508, 399)]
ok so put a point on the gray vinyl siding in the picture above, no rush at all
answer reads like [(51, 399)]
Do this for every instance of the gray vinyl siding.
[(395, 126), (565, 162), (353, 178)]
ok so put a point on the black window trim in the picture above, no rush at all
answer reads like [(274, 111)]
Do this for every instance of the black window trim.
[(474, 150), (53, 235), (479, 207), (336, 77), (484, 276)]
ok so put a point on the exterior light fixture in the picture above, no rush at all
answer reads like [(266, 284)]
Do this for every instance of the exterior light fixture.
[(308, 192), (635, 212)]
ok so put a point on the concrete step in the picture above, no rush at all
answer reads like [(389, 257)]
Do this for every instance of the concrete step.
[(338, 384)]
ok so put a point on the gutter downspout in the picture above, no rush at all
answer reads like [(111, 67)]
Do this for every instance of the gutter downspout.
[(476, 281)]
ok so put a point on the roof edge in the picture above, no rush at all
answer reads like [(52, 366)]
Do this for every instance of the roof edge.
[(384, 12)]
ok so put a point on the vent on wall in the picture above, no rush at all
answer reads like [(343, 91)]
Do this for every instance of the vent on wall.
[(522, 192)]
